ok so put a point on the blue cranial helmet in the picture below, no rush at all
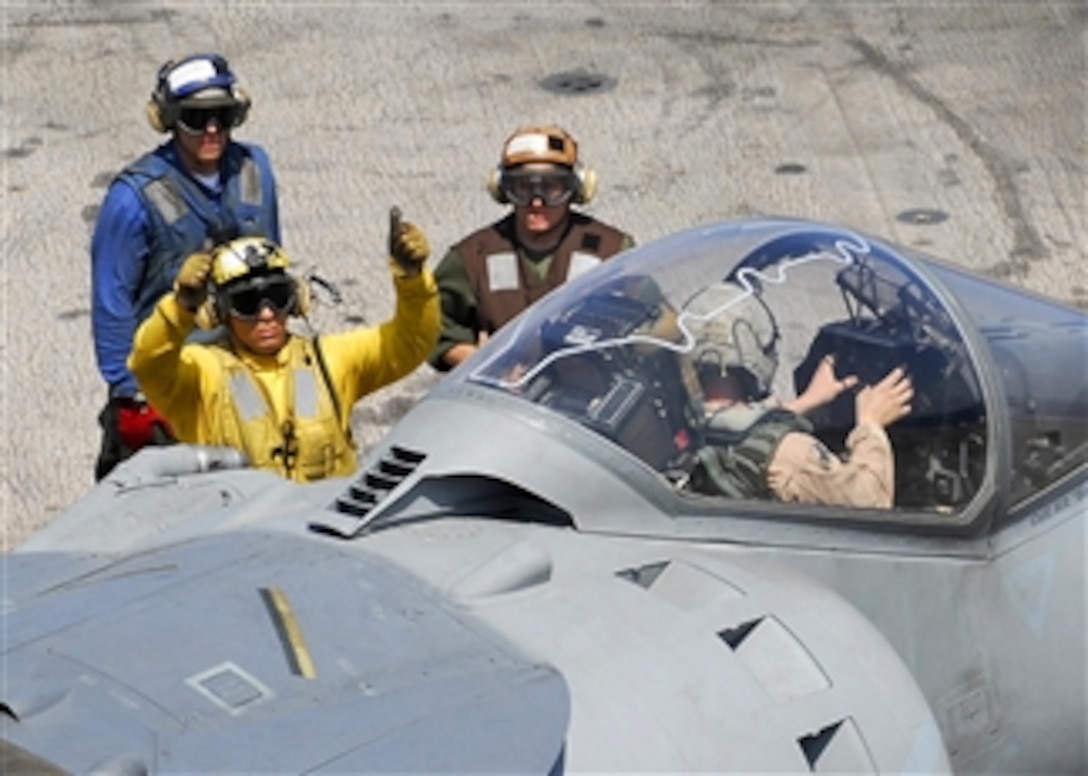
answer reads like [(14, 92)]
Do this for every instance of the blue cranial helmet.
[(197, 81)]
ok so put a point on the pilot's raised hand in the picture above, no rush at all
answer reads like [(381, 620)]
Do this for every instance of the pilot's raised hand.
[(408, 247), (823, 388), (886, 401), (191, 285)]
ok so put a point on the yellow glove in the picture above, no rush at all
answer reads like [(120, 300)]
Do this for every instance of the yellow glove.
[(191, 285), (408, 246)]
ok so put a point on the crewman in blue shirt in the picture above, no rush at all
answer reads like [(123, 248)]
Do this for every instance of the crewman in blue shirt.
[(197, 189)]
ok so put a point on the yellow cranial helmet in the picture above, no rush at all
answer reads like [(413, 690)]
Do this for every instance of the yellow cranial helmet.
[(243, 256), (248, 272)]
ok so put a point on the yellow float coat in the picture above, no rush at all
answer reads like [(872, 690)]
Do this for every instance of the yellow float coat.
[(196, 386)]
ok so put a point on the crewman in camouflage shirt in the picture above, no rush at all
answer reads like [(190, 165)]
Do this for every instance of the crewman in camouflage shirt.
[(496, 272)]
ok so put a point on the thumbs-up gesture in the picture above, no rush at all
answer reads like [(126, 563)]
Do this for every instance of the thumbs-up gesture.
[(408, 245)]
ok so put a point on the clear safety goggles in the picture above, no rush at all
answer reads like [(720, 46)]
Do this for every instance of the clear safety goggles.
[(246, 300), (195, 121), (522, 187)]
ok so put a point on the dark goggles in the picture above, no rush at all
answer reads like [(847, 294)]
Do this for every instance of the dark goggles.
[(247, 299), (195, 121), (551, 188)]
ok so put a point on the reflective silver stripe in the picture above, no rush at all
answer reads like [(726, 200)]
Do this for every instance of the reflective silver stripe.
[(306, 393), (581, 262), (166, 199), (502, 272), (247, 396), (251, 182)]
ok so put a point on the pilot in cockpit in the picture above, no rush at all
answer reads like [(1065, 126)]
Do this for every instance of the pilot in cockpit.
[(759, 447)]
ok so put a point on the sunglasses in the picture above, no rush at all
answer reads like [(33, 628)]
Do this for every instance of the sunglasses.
[(550, 188), (194, 121), (246, 302)]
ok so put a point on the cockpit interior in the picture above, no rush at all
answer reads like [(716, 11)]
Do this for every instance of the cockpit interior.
[(620, 350)]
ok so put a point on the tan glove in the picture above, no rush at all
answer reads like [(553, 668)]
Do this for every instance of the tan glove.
[(408, 246), (191, 285)]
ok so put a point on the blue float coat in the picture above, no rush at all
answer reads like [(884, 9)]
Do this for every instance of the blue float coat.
[(135, 252)]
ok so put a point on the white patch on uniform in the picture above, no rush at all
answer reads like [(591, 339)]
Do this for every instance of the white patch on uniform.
[(581, 262), (199, 71), (534, 144), (502, 272)]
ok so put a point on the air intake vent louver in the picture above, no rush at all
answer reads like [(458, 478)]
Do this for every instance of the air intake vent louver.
[(374, 484)]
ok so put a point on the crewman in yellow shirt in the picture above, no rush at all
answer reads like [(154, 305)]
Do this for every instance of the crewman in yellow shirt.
[(284, 400)]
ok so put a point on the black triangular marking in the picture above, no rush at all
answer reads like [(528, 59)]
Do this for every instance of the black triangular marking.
[(734, 636), (643, 576), (813, 745)]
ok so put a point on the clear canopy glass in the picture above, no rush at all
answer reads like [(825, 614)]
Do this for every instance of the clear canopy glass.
[(625, 351)]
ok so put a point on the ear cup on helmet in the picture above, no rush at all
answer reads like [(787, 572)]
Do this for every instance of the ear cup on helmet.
[(587, 185), (244, 104), (303, 298), (494, 186), (155, 117), (207, 316), (158, 109)]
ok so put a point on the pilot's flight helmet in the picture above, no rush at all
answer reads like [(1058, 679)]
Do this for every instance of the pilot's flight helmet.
[(248, 273), (189, 90), (527, 152), (735, 335)]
